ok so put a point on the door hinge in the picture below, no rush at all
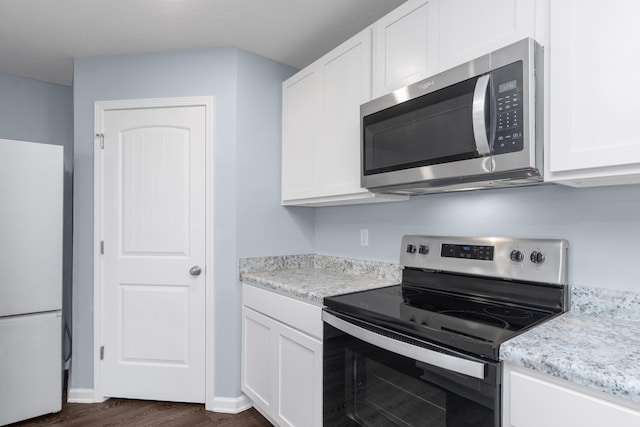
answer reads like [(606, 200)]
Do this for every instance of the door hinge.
[(101, 136), (102, 352), (102, 247)]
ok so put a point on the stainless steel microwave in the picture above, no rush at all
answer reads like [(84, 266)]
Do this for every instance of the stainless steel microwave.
[(478, 125)]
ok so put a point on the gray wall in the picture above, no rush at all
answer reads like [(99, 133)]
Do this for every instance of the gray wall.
[(602, 226), (31, 110), (246, 133)]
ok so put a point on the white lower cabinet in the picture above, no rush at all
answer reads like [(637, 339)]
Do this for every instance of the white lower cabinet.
[(532, 399), (282, 357)]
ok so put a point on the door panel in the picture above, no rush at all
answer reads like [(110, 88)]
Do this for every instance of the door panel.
[(154, 232), (161, 336), (155, 167)]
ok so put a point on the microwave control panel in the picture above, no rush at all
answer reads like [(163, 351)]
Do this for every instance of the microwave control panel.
[(507, 87)]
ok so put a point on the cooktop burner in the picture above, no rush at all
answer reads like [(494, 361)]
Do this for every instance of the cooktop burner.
[(508, 312), (477, 317)]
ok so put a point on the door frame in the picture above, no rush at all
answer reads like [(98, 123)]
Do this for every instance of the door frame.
[(100, 107)]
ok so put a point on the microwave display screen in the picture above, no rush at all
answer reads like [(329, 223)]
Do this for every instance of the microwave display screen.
[(513, 84)]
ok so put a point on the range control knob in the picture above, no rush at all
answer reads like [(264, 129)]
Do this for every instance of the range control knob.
[(423, 249), (411, 249), (516, 256), (537, 257)]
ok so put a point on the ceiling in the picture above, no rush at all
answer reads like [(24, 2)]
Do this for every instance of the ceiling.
[(40, 38)]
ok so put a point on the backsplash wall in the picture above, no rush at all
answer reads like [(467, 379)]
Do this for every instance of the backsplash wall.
[(601, 224)]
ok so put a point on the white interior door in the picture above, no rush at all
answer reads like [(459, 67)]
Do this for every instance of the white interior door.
[(153, 322)]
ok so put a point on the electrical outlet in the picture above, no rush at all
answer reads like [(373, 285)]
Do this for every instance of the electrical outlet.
[(364, 237)]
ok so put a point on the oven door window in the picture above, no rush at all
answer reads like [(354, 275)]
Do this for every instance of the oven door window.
[(370, 387)]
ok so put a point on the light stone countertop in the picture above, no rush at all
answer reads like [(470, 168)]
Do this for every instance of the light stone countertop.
[(596, 344), (310, 278)]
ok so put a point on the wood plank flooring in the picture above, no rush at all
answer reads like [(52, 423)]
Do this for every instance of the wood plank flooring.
[(141, 413)]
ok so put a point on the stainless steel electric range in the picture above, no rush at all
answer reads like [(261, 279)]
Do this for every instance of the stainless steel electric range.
[(426, 352)]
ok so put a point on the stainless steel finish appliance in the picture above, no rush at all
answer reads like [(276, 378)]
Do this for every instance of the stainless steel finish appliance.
[(426, 352), (478, 125)]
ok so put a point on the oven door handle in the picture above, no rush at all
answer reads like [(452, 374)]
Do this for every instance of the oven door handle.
[(478, 115), (445, 361)]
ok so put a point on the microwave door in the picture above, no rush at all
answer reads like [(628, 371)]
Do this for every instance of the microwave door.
[(438, 136)]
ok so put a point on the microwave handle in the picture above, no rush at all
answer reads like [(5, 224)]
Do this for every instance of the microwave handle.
[(478, 114), (431, 357)]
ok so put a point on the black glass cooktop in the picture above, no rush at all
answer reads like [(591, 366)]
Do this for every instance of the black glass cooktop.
[(471, 323)]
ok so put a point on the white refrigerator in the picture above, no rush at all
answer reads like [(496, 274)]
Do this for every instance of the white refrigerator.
[(31, 209)]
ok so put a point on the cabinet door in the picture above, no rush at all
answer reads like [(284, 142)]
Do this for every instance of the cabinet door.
[(593, 85), (472, 28), (299, 367), (405, 48), (346, 85), (300, 118), (536, 403), (258, 376)]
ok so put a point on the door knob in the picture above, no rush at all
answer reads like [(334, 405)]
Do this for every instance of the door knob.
[(195, 270)]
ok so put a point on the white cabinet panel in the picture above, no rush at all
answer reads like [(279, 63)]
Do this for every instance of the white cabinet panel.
[(300, 110), (536, 402), (282, 366), (483, 27), (299, 385), (405, 48), (299, 314), (257, 372), (593, 77), (347, 84)]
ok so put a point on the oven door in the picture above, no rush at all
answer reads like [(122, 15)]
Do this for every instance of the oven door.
[(376, 377)]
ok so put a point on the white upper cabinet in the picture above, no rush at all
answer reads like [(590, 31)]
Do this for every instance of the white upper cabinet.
[(346, 85), (300, 119), (472, 28), (321, 128), (423, 37), (593, 80), (405, 46)]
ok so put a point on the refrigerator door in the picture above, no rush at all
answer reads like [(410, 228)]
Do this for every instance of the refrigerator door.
[(30, 366), (31, 198)]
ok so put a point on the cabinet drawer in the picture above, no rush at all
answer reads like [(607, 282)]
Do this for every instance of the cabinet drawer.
[(298, 314), (535, 403)]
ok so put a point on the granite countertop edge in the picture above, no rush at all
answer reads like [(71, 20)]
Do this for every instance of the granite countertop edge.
[(311, 277), (596, 344)]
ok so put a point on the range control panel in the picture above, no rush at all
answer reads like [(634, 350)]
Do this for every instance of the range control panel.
[(536, 260), (467, 251)]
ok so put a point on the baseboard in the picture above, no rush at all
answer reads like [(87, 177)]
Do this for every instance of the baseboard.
[(80, 395), (231, 405)]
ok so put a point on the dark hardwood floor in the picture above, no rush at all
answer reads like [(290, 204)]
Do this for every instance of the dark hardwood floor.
[(141, 413)]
